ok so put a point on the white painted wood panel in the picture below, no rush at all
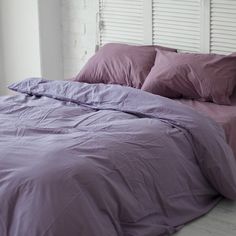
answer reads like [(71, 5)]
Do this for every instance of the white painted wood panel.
[(121, 21), (177, 24), (223, 26)]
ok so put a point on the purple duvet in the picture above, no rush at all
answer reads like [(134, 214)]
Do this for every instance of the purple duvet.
[(105, 160)]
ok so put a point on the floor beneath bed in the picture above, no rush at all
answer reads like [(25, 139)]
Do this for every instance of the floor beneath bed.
[(221, 221)]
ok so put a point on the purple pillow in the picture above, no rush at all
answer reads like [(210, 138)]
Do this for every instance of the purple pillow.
[(120, 64), (207, 77)]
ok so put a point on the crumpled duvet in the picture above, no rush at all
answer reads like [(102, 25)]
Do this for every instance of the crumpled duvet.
[(105, 160)]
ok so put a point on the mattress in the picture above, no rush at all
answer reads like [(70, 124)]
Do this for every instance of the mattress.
[(223, 115)]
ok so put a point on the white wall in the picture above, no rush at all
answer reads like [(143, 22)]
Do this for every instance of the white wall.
[(51, 38), (31, 40), (79, 33), (45, 38), (20, 39)]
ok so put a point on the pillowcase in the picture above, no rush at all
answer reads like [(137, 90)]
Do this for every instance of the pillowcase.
[(207, 77), (120, 64)]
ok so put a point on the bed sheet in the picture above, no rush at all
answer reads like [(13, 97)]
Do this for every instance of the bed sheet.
[(223, 115)]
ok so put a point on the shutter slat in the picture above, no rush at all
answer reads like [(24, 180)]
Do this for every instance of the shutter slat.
[(176, 31), (179, 35), (170, 23), (223, 33), (118, 21), (123, 21), (223, 26), (179, 42), (177, 24), (118, 27), (181, 3)]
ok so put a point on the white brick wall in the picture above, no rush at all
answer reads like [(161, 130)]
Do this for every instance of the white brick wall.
[(79, 33)]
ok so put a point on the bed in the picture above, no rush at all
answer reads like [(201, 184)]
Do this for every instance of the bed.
[(94, 159)]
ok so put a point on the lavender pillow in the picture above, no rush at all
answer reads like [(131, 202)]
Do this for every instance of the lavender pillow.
[(207, 77), (120, 64)]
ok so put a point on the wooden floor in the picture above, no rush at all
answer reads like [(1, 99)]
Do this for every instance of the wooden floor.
[(221, 221)]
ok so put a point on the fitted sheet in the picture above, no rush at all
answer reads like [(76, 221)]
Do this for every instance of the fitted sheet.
[(223, 115)]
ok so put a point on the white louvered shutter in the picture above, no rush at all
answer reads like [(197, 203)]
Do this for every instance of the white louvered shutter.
[(223, 26), (176, 23), (122, 21)]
